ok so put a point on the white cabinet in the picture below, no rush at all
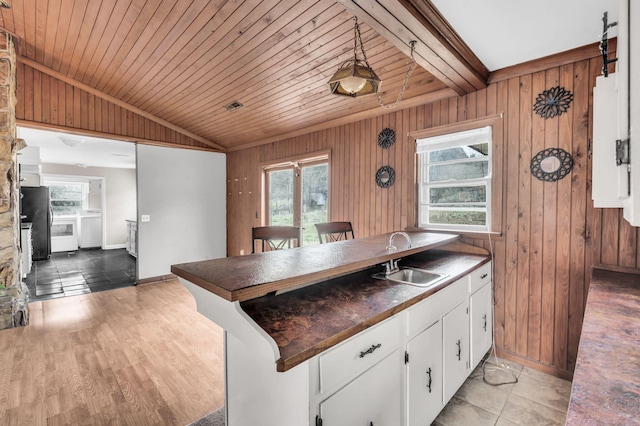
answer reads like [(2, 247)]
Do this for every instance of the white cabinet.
[(424, 376), (364, 380), (481, 323), (616, 117), (27, 250), (455, 349), (132, 236), (374, 398)]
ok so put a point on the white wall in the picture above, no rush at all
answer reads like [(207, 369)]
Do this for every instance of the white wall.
[(120, 195), (184, 193)]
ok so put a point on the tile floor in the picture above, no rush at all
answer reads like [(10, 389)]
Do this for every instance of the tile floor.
[(536, 399), (80, 272)]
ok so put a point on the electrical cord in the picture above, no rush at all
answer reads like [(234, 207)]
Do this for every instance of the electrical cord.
[(498, 366)]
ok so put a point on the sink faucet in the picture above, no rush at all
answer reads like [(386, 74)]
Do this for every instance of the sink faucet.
[(391, 248), (390, 267)]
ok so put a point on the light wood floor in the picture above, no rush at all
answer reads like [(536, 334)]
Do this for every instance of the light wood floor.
[(132, 356)]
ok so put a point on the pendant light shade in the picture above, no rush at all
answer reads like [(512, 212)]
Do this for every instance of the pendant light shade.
[(354, 78)]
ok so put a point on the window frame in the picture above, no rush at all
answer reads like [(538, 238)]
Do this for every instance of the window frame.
[(496, 205), (84, 195)]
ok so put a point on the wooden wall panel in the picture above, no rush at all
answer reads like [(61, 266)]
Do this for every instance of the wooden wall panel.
[(551, 234), (46, 102)]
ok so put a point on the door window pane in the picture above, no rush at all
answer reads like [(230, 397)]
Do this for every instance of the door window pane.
[(281, 198), (315, 191)]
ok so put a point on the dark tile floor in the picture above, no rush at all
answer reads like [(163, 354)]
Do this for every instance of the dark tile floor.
[(80, 272)]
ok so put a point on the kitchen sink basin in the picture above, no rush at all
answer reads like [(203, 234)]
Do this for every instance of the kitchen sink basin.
[(412, 276)]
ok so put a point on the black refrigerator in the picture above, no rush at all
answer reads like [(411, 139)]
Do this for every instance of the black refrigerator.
[(35, 207)]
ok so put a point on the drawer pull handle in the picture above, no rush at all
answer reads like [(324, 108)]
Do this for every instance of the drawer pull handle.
[(459, 350), (484, 326), (370, 350), (429, 379), (483, 276)]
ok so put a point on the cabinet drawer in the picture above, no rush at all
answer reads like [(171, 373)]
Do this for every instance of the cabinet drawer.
[(479, 277), (435, 306), (358, 353)]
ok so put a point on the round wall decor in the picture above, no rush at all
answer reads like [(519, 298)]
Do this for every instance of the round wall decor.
[(386, 138), (551, 164), (553, 102), (385, 176)]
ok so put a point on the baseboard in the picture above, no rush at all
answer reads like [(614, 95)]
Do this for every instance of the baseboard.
[(114, 246), (536, 365), (158, 279)]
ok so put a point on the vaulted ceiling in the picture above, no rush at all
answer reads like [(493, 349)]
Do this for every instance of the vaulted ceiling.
[(183, 61)]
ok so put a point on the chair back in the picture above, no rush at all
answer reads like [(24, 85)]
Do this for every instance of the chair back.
[(275, 237), (334, 231)]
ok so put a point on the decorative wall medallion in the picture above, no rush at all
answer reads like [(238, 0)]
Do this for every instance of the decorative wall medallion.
[(551, 164), (553, 102), (385, 176), (386, 138)]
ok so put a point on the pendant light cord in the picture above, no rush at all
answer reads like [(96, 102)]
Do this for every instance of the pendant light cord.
[(412, 66)]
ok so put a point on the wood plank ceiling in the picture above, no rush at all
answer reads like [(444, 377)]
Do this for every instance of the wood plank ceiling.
[(183, 61)]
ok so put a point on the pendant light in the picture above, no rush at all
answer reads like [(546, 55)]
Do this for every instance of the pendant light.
[(356, 77)]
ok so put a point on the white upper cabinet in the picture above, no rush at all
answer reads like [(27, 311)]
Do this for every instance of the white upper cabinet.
[(616, 123)]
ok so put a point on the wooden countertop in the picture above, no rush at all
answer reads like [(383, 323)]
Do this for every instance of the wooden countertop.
[(241, 278), (606, 382), (307, 321)]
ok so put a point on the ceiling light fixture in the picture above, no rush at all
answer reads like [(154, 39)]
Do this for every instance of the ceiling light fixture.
[(356, 77), (71, 142)]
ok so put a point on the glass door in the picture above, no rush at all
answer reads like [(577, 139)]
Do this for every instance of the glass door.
[(298, 195)]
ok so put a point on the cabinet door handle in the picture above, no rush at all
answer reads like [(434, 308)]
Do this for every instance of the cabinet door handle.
[(483, 276), (370, 350), (459, 350), (484, 326), (429, 379)]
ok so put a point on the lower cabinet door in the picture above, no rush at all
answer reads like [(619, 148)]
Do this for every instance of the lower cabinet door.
[(373, 398), (455, 353), (481, 324), (424, 376)]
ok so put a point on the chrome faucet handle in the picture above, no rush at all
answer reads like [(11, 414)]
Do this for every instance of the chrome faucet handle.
[(390, 266)]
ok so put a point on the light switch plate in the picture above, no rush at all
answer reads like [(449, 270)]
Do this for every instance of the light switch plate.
[(145, 218)]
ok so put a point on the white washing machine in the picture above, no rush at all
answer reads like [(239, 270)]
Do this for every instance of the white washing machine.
[(90, 228)]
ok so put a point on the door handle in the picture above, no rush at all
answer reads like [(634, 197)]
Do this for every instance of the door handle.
[(484, 326), (429, 379), (458, 343)]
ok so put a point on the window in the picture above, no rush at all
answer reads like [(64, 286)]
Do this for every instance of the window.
[(298, 194), (67, 198), (455, 181)]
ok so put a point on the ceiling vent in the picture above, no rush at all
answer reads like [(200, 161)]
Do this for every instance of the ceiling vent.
[(233, 106)]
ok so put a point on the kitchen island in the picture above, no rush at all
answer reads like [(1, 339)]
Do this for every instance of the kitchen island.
[(282, 311)]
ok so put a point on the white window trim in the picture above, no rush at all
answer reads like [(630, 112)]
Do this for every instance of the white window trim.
[(452, 140)]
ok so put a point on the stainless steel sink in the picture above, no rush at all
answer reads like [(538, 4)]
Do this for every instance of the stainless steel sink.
[(412, 276)]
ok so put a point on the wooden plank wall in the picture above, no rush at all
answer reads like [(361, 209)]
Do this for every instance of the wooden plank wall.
[(46, 102), (551, 234)]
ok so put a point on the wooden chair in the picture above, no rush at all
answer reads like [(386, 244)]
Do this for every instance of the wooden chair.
[(334, 231), (275, 237)]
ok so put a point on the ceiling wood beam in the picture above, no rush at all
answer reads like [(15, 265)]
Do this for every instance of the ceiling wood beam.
[(362, 115), (439, 50), (37, 66)]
